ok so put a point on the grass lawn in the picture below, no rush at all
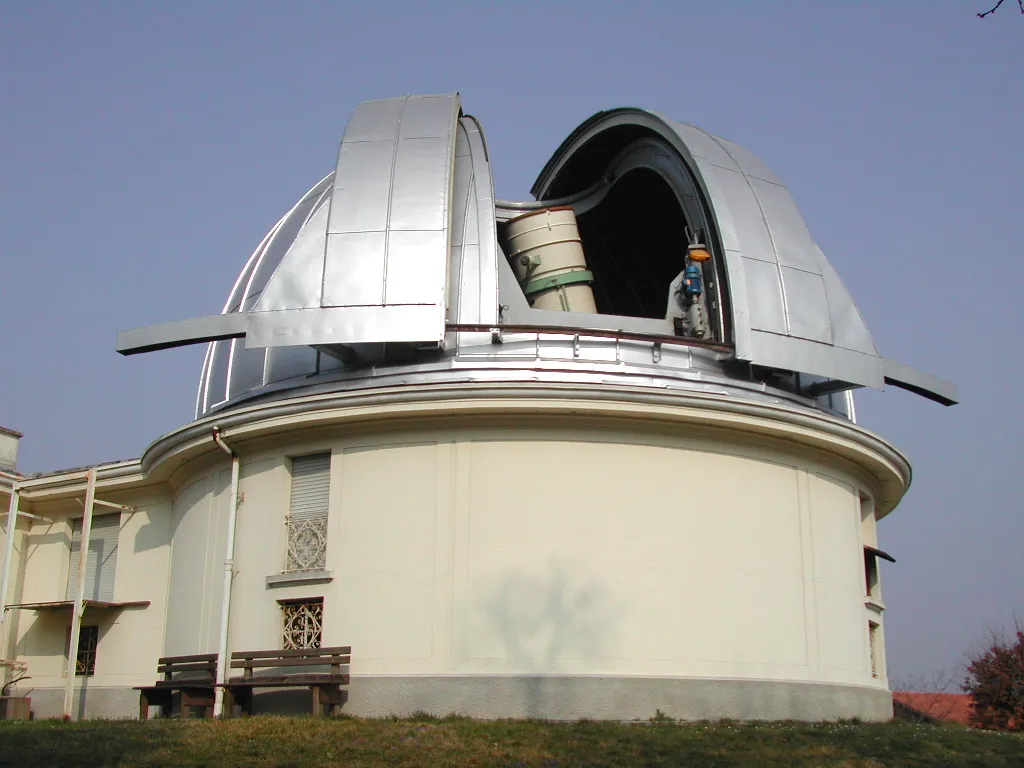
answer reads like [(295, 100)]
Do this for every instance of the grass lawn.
[(262, 742)]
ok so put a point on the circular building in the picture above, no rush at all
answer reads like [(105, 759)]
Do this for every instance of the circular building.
[(593, 455)]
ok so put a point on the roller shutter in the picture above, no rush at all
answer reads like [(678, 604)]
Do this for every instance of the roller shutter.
[(311, 486), (101, 565)]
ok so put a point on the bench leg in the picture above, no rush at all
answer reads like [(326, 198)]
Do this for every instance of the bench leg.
[(326, 699), (317, 703), (228, 705), (191, 699), (240, 696), (155, 698)]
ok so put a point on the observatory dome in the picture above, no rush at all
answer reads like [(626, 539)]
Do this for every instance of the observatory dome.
[(592, 454), (395, 264)]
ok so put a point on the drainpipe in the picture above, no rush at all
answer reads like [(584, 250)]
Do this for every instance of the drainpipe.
[(12, 524), (229, 568), (78, 608)]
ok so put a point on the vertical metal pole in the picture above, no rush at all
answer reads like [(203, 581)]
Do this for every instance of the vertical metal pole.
[(12, 525), (225, 609), (77, 608)]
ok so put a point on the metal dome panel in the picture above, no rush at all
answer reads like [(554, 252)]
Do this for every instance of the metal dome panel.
[(474, 246), (402, 244), (385, 264), (784, 308)]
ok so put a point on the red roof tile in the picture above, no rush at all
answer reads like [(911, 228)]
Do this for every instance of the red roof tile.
[(947, 707)]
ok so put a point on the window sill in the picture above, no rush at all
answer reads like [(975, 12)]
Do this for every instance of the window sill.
[(874, 603), (298, 578)]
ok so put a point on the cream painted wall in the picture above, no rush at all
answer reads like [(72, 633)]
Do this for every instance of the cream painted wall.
[(198, 534), (130, 640), (549, 551), (260, 552)]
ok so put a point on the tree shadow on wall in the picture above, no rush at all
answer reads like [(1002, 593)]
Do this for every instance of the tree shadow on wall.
[(546, 618)]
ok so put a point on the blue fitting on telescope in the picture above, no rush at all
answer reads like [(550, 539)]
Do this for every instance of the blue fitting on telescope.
[(692, 283)]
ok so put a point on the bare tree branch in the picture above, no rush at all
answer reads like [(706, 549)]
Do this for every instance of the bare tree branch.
[(994, 8)]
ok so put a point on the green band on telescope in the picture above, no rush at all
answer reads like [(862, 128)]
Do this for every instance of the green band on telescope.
[(567, 278)]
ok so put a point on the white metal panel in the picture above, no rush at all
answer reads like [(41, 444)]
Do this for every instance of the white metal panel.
[(327, 326), (426, 117), (297, 282), (101, 565), (743, 158), (812, 320), (805, 356), (354, 269), (246, 368), (463, 229), (311, 486), (765, 301), (848, 327), (414, 206), (375, 120), (763, 237), (384, 271), (217, 382), (289, 362), (362, 186), (749, 234), (792, 241), (812, 302), (702, 145), (417, 266), (481, 254)]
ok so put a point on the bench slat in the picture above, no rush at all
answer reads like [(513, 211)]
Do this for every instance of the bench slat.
[(166, 684), (323, 661), (201, 666), (187, 659), (284, 681), (340, 650)]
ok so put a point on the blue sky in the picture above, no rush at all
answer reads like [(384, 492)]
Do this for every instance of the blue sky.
[(145, 148)]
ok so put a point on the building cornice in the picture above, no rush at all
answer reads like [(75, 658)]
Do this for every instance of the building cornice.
[(359, 409)]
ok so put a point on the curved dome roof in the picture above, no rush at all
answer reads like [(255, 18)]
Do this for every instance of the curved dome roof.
[(229, 369), (395, 262)]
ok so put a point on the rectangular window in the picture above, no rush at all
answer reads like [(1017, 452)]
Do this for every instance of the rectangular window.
[(101, 565), (870, 573), (303, 623), (873, 645), (88, 641), (307, 513)]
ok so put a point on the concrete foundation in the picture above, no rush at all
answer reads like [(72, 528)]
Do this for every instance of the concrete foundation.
[(546, 697), (615, 698), (90, 702)]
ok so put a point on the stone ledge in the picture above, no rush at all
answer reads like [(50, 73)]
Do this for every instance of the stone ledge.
[(298, 578)]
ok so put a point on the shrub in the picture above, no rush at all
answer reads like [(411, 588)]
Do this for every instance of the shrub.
[(995, 680)]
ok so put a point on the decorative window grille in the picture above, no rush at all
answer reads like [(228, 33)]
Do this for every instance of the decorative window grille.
[(873, 644), (307, 513), (88, 641), (303, 623)]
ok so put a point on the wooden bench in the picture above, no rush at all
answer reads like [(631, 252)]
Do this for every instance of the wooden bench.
[(325, 687), (194, 676)]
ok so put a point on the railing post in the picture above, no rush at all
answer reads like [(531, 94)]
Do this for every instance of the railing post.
[(77, 608)]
